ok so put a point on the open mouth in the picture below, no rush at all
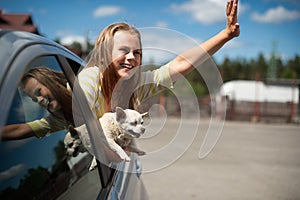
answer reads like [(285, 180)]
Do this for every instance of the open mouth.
[(134, 134), (75, 152), (127, 66), (45, 102)]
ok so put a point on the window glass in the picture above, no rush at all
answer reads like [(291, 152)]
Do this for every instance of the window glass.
[(33, 168)]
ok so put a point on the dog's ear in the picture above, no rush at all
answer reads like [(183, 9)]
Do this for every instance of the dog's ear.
[(73, 131), (144, 114), (120, 114)]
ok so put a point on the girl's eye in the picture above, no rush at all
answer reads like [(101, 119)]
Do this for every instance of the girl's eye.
[(37, 92), (138, 52), (124, 50)]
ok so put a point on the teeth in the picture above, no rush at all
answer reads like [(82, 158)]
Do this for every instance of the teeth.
[(127, 66), (45, 102)]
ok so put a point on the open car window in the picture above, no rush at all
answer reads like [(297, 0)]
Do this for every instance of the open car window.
[(35, 168)]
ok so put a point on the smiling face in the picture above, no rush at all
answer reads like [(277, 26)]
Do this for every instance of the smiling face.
[(41, 94), (126, 53)]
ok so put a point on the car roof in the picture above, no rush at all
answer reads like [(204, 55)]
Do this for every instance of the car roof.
[(13, 42)]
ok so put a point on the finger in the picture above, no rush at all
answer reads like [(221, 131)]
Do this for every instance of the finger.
[(229, 7), (234, 9)]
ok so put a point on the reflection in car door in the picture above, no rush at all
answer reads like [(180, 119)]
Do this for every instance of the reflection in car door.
[(39, 168)]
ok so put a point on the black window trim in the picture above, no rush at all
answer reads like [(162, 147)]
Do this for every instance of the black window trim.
[(107, 175)]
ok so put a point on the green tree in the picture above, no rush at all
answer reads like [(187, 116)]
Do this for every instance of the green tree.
[(226, 70), (34, 181), (261, 66), (60, 164)]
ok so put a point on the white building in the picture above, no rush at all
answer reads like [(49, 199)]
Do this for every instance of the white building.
[(252, 91), (255, 100)]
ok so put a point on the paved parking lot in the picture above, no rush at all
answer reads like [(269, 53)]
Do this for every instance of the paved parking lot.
[(250, 161)]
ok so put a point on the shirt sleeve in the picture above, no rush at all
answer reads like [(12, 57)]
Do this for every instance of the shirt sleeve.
[(89, 82), (153, 82), (40, 127), (47, 125)]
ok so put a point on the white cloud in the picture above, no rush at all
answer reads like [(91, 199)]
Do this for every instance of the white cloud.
[(104, 11), (63, 33), (68, 40), (162, 24), (161, 45), (12, 172), (204, 11), (276, 15), (66, 37)]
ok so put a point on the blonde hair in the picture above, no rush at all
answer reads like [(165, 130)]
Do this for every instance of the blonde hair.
[(56, 82), (102, 58)]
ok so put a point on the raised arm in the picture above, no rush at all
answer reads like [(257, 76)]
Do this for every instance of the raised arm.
[(191, 58)]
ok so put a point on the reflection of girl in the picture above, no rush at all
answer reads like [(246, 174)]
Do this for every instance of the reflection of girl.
[(49, 89), (113, 71)]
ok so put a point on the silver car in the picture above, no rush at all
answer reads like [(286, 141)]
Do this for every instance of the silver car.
[(34, 168)]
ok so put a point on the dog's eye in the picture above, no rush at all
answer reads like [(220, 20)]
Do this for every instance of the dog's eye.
[(70, 145), (134, 123), (142, 122)]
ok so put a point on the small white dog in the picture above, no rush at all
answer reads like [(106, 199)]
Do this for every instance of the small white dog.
[(120, 128)]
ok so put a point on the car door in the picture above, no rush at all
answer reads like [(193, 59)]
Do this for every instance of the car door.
[(39, 168)]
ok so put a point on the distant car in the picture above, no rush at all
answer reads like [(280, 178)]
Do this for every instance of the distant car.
[(39, 168)]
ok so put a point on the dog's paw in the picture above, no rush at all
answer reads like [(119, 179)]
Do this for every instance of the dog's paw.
[(126, 158), (123, 155), (134, 149)]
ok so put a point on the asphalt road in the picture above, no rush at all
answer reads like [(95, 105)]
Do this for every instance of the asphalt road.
[(249, 161)]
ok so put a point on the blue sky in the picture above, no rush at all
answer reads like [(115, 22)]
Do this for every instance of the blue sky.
[(263, 22)]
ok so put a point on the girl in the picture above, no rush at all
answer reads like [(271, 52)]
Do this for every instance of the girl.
[(49, 89), (113, 76)]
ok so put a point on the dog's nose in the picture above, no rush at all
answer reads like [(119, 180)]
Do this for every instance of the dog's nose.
[(143, 130)]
